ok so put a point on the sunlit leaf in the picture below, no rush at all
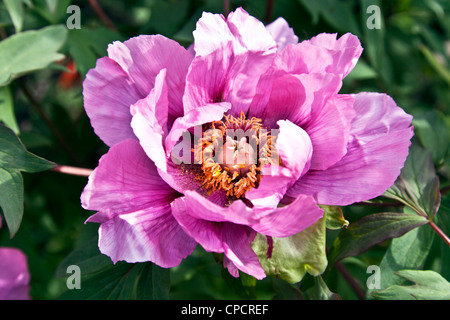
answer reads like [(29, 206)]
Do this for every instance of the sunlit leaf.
[(292, 257), (7, 109), (30, 51), (406, 252), (428, 285), (334, 217)]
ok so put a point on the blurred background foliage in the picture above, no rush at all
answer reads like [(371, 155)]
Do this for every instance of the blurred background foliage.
[(408, 58)]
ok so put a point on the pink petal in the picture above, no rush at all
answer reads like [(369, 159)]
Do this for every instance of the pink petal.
[(311, 102), (282, 33), (323, 53), (133, 203), (150, 234), (276, 222), (231, 239), (376, 152), (108, 94), (149, 121), (295, 150), (14, 275), (195, 117), (143, 57), (231, 56)]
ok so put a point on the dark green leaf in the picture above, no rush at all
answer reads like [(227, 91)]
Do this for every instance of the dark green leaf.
[(417, 186), (14, 158), (428, 285), (30, 51), (371, 230), (320, 291), (434, 134), (101, 279)]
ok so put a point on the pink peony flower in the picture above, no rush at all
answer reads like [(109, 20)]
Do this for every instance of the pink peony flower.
[(207, 143), (14, 275)]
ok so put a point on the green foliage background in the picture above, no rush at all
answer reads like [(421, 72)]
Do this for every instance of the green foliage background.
[(408, 58)]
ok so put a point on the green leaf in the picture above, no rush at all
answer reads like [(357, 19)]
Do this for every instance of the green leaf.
[(30, 51), (334, 217), (320, 291), (371, 230), (428, 285), (101, 279), (292, 257), (418, 185), (338, 14), (86, 45), (434, 134), (7, 109), (16, 12), (14, 158), (406, 252)]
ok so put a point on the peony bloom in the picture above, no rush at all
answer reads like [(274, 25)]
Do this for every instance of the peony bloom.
[(244, 133), (14, 275)]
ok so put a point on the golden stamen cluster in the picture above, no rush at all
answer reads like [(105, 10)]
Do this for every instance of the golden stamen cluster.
[(235, 178)]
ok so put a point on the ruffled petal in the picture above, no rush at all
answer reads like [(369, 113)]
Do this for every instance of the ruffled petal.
[(323, 53), (379, 142), (276, 222), (149, 121), (143, 57), (231, 239), (133, 203), (230, 57), (108, 94), (146, 235), (282, 33), (14, 275), (195, 117)]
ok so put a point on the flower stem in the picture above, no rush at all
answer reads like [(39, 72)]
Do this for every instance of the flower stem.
[(351, 281), (226, 7), (40, 110), (102, 15), (440, 233), (82, 172)]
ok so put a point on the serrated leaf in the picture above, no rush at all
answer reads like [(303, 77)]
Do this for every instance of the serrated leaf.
[(418, 185), (292, 257), (7, 109), (14, 158), (371, 230), (30, 51), (428, 285)]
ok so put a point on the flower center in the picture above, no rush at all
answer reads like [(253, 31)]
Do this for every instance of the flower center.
[(231, 153)]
